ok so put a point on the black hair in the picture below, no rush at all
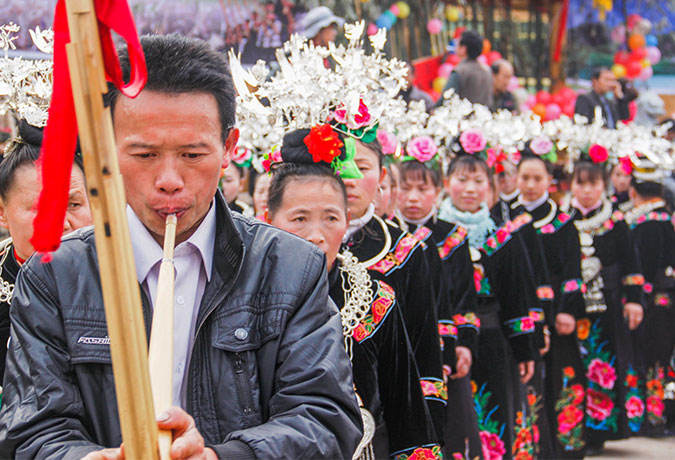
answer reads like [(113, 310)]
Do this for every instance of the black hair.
[(473, 42), (527, 154), (588, 171), (416, 170), (179, 65), (597, 71), (375, 146), (24, 150), (470, 162), (647, 189), (298, 165)]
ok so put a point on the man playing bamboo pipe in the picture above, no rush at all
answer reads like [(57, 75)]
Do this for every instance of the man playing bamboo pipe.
[(259, 365)]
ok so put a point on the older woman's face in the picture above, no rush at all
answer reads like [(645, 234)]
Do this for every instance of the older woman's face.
[(18, 211)]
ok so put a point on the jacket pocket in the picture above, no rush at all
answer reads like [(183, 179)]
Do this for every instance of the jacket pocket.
[(86, 335)]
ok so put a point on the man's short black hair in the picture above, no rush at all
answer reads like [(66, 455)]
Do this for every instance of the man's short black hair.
[(597, 71), (473, 42), (179, 65)]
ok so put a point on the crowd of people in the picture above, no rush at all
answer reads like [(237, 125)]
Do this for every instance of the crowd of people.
[(469, 283)]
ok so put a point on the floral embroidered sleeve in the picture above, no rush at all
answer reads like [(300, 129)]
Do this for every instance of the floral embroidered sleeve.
[(513, 283), (459, 268), (406, 416), (653, 250), (632, 278)]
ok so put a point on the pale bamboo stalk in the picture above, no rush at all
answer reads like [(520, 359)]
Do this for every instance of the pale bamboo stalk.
[(160, 358), (119, 283)]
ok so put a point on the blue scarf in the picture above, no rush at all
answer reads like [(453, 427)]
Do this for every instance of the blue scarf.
[(479, 224)]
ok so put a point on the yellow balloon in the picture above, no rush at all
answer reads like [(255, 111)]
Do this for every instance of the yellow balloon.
[(403, 10), (645, 63), (619, 70), (452, 14), (439, 84)]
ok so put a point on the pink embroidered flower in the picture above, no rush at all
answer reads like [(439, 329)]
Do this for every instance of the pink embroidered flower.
[(478, 279), (548, 228), (422, 454), (601, 373), (541, 145), (648, 288), (598, 153), (569, 418), (493, 445), (579, 393), (270, 159), (634, 407), (358, 120), (388, 141), (428, 388), (241, 155), (443, 329), (527, 324), (472, 141), (422, 148), (563, 217), (598, 405), (655, 405), (359, 333)]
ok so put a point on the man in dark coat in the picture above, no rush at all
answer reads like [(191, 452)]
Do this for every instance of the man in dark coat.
[(606, 94), (259, 365)]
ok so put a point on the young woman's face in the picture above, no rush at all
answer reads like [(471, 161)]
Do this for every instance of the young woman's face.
[(417, 197), (620, 180), (262, 186), (231, 183), (314, 210), (385, 198), (588, 192), (506, 181), (533, 180), (361, 192), (468, 189)]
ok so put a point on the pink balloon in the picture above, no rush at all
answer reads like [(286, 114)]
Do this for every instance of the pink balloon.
[(513, 84), (445, 70), (372, 29), (483, 59), (434, 26), (394, 9), (653, 54), (646, 74), (530, 101), (553, 112), (618, 34)]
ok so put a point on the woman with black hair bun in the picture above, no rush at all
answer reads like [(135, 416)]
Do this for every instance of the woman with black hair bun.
[(612, 280), (654, 238), (505, 290), (564, 376), (308, 198), (20, 187)]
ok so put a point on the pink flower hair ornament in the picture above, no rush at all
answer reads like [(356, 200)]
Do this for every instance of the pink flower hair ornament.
[(472, 141)]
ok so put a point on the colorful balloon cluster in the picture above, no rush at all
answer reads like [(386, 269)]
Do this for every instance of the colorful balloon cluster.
[(444, 70), (399, 10), (642, 53), (549, 106)]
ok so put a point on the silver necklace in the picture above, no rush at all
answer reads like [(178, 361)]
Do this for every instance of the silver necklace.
[(644, 209), (549, 217), (6, 289)]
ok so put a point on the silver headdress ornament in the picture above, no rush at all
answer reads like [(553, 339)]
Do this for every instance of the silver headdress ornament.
[(305, 93), (26, 85)]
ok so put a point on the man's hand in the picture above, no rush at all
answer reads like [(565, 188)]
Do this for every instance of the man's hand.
[(618, 92), (187, 443), (526, 371), (564, 323), (633, 313), (464, 361), (547, 341)]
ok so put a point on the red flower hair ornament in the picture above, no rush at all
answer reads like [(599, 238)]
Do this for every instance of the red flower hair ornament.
[(323, 143)]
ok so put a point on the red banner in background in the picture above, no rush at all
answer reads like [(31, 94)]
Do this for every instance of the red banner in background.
[(60, 138)]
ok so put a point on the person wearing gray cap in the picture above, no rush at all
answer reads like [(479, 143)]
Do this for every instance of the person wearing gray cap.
[(320, 25)]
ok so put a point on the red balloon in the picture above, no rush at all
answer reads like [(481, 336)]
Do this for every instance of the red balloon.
[(558, 98), (544, 97), (633, 19), (633, 69), (569, 110), (492, 56), (568, 93), (622, 57), (638, 54)]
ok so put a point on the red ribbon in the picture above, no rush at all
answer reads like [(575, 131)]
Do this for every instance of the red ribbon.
[(562, 29), (60, 137)]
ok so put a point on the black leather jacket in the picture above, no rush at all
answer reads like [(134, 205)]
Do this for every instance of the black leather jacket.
[(283, 390)]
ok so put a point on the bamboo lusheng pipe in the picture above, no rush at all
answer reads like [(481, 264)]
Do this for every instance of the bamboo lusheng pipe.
[(117, 270), (160, 358)]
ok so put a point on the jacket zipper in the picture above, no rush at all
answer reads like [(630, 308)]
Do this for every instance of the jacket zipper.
[(243, 385)]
